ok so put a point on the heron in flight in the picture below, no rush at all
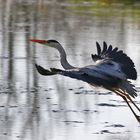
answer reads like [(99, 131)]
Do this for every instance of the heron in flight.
[(111, 70)]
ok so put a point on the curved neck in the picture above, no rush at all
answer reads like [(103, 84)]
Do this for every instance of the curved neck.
[(63, 57)]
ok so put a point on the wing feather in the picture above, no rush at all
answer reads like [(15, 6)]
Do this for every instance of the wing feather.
[(96, 78), (104, 48), (109, 49), (98, 48), (113, 51), (118, 56)]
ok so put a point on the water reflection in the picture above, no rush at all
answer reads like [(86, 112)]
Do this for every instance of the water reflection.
[(37, 107)]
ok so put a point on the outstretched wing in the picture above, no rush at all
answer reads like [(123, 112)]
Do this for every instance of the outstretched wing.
[(118, 56), (94, 76)]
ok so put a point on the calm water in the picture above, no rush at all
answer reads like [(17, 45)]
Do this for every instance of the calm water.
[(34, 107)]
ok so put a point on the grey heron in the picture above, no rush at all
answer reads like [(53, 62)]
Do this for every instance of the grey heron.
[(112, 70)]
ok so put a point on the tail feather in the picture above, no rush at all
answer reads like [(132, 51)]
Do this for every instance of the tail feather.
[(129, 88)]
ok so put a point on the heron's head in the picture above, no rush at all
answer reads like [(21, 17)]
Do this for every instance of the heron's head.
[(49, 43)]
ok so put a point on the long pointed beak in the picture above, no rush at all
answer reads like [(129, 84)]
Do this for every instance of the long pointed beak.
[(39, 41)]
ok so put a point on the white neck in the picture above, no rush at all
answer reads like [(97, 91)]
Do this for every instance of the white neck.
[(63, 57)]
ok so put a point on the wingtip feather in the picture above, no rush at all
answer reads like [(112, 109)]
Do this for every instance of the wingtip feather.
[(98, 48)]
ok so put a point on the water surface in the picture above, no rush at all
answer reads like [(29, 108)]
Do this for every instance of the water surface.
[(34, 107)]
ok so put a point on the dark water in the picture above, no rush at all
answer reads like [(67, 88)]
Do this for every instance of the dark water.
[(34, 107)]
